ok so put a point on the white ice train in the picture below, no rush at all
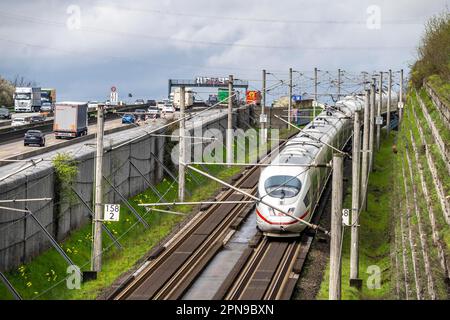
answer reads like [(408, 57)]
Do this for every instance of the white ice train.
[(297, 189)]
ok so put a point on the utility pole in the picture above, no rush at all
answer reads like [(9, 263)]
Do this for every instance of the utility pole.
[(96, 259), (230, 121), (356, 156), (290, 99), (365, 151), (315, 93), (339, 85), (336, 228), (372, 122), (182, 148), (380, 106), (389, 102), (400, 98), (263, 105)]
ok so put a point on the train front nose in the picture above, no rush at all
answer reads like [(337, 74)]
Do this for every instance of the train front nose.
[(269, 219)]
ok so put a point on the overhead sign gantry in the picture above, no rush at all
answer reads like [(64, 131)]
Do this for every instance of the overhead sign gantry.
[(206, 82)]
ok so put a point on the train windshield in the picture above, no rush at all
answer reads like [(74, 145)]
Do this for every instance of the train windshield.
[(282, 186)]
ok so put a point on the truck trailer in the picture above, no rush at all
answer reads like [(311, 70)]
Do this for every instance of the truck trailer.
[(27, 99), (71, 120), (188, 98)]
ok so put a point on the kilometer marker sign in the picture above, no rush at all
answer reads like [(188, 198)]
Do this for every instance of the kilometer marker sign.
[(111, 212)]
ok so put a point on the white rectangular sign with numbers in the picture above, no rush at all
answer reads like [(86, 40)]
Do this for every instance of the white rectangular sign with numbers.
[(346, 217), (379, 120), (111, 212), (263, 118)]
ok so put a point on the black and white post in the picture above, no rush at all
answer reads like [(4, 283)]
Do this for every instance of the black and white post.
[(356, 157), (263, 137), (229, 143), (336, 227), (389, 102), (365, 150), (400, 98), (96, 259), (182, 148), (315, 92), (339, 85), (373, 99), (380, 107), (290, 99)]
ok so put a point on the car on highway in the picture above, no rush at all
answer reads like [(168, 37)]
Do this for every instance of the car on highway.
[(46, 107), (34, 137), (93, 105), (151, 103), (36, 119), (20, 121), (153, 112), (160, 105), (128, 118), (140, 113), (139, 101), (4, 113)]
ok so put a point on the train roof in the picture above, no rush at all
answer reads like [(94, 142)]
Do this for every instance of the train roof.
[(303, 148)]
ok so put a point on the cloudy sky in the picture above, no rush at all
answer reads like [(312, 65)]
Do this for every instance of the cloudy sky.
[(84, 47)]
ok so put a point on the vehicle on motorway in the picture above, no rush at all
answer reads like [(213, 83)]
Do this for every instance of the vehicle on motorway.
[(188, 97), (36, 119), (212, 99), (168, 108), (27, 99), (153, 112), (48, 99), (34, 137), (291, 185), (107, 103), (140, 114), (4, 113), (139, 101), (20, 121), (128, 118), (92, 105), (151, 103), (160, 105), (71, 119)]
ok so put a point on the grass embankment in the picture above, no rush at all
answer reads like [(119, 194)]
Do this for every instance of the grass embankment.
[(410, 125), (374, 232), (44, 277)]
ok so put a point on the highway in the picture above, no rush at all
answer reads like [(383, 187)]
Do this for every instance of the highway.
[(8, 150), (16, 147)]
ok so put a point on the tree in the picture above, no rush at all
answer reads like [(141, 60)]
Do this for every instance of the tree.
[(6, 93)]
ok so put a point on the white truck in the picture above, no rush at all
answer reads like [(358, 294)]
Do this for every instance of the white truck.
[(27, 99), (188, 100), (71, 119)]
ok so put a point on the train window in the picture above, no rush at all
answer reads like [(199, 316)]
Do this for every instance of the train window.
[(282, 186), (307, 199)]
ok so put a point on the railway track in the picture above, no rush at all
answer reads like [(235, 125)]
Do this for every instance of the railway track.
[(173, 268), (271, 270)]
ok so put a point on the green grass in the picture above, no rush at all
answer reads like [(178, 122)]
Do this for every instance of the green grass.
[(442, 226), (374, 232), (44, 277)]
